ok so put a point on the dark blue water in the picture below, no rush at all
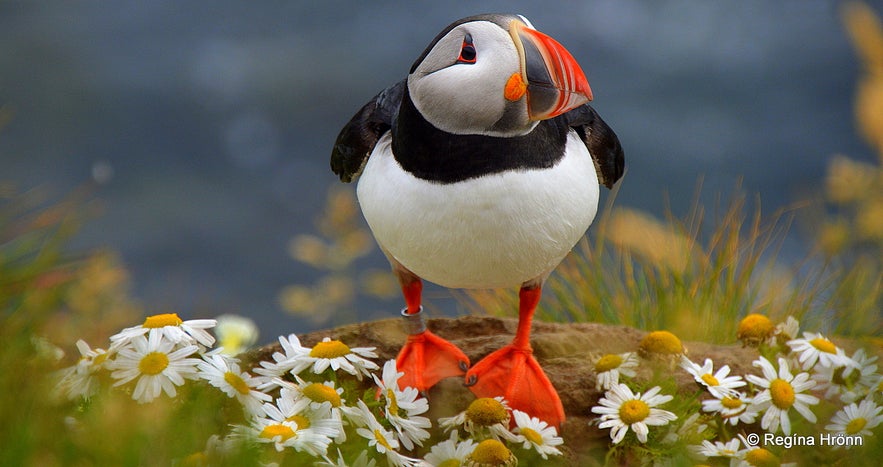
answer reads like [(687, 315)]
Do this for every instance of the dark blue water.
[(210, 123)]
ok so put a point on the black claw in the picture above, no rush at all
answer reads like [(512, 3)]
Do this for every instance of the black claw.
[(471, 380), (464, 366)]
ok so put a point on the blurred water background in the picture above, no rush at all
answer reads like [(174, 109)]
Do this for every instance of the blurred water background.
[(205, 127)]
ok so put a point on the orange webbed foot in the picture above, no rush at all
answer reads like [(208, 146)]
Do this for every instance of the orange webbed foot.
[(427, 358), (514, 373)]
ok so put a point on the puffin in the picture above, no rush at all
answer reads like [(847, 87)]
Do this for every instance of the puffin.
[(481, 169)]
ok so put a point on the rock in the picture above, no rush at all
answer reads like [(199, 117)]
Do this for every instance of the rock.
[(567, 352)]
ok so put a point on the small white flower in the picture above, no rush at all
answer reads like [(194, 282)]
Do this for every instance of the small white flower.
[(733, 408), (361, 461), (235, 333), (718, 384), (338, 356), (223, 373), (450, 451), (156, 365), (815, 348), (536, 434), (782, 391), (172, 327), (851, 381), (485, 417), (80, 380), (313, 428), (787, 330), (718, 449), (610, 366), (856, 419), (689, 428), (621, 409), (403, 407), (381, 439), (291, 357)]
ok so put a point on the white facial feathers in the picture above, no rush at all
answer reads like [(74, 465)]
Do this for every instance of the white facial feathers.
[(468, 98)]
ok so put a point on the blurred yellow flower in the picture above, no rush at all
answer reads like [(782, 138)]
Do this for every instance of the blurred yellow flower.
[(641, 234), (833, 237), (848, 180), (869, 219), (308, 249)]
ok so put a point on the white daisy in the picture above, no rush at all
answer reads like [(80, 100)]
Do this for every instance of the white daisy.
[(485, 417), (536, 434), (718, 449), (851, 381), (718, 384), (291, 357), (306, 395), (312, 430), (787, 330), (172, 327), (733, 408), (361, 461), (80, 380), (450, 452), (688, 429), (816, 348), (235, 333), (856, 419), (156, 365), (403, 407), (381, 439), (621, 409), (610, 366), (223, 373), (338, 356), (782, 391)]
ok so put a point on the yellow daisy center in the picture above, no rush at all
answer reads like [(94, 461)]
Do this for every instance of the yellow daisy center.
[(237, 382), (754, 328), (710, 379), (450, 463), (491, 452), (760, 457), (381, 440), (161, 321), (532, 435), (661, 342), (301, 421), (823, 345), (486, 411), (318, 392), (391, 400), (782, 393), (329, 349), (633, 411), (272, 431), (99, 359), (856, 425), (607, 363), (153, 363), (731, 402)]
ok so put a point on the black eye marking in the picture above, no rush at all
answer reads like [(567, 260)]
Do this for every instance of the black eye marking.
[(467, 51)]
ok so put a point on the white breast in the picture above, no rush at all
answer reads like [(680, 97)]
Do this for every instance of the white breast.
[(495, 231)]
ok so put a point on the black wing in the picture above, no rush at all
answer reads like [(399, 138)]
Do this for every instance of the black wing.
[(358, 137), (602, 143)]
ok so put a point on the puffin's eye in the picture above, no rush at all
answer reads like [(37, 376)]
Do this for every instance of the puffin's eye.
[(467, 51)]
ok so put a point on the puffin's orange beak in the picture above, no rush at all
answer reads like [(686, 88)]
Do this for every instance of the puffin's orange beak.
[(551, 78)]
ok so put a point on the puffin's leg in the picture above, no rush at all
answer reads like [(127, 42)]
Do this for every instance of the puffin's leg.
[(513, 372), (425, 358)]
